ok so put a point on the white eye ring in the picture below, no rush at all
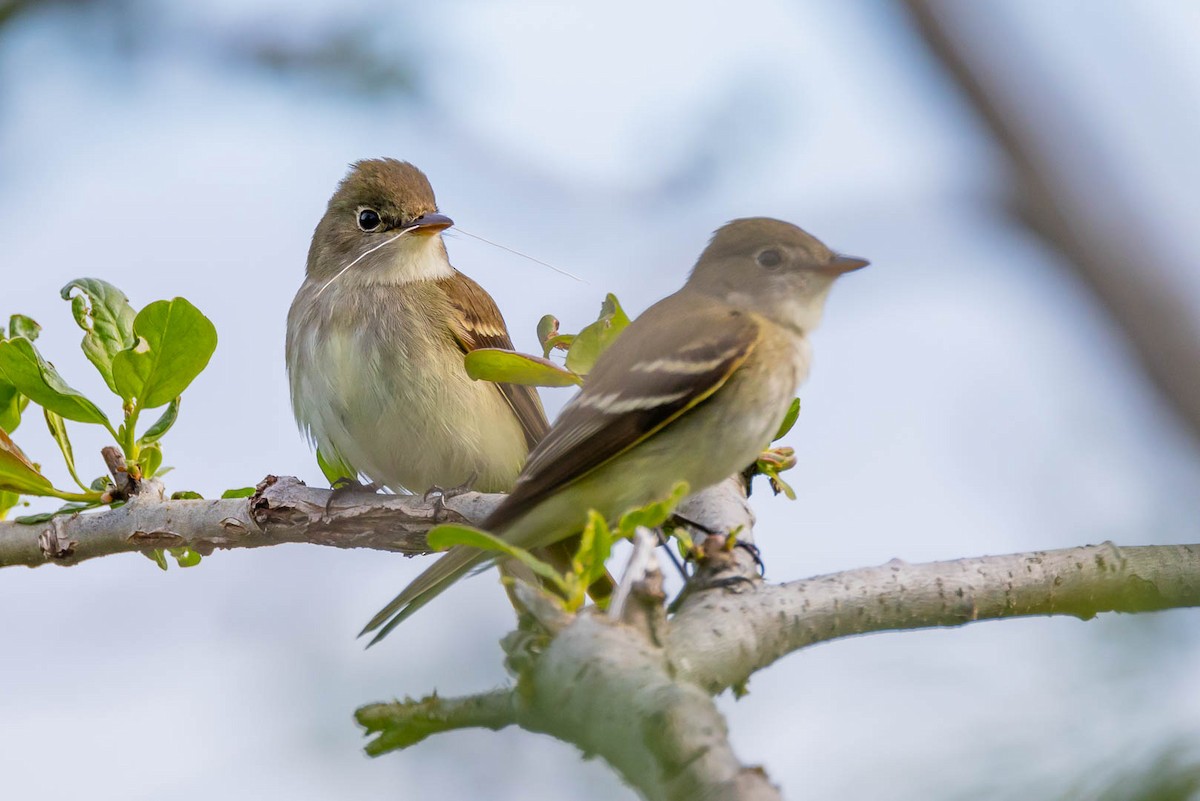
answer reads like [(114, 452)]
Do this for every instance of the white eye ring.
[(770, 258), (368, 219)]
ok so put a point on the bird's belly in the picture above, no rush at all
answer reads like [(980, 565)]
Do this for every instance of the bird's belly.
[(409, 425)]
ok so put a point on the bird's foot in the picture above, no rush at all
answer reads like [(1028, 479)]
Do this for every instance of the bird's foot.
[(345, 487), (442, 494), (680, 520), (665, 542), (755, 554)]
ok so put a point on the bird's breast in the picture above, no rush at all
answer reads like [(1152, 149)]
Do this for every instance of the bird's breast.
[(381, 385)]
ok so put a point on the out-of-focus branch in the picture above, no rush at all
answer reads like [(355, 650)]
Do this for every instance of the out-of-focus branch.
[(1100, 236)]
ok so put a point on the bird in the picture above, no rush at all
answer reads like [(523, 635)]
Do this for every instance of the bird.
[(693, 390), (376, 337)]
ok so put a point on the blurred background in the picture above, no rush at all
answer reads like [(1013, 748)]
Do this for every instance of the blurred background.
[(1016, 371)]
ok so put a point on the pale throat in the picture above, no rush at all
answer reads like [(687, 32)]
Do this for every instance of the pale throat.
[(800, 313), (410, 258)]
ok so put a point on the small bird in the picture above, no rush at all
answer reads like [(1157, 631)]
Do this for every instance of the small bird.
[(375, 344), (693, 390)]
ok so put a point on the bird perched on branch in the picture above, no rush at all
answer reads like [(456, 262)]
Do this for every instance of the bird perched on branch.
[(693, 390), (375, 344)]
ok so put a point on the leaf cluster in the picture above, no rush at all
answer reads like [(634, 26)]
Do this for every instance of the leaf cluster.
[(581, 352), (147, 358), (595, 545)]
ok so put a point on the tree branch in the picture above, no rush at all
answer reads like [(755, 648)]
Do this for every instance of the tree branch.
[(606, 688), (638, 693), (718, 639), (637, 690), (283, 510), (408, 722)]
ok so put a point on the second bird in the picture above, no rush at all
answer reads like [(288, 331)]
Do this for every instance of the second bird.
[(375, 344)]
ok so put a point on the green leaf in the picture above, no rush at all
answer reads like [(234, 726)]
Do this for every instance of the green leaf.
[(560, 341), (774, 461), (174, 343), (335, 470), (58, 430), (597, 337), (510, 367), (10, 406), (595, 546), (546, 328), (186, 495), (778, 485), (24, 368), (104, 314), (157, 557), (789, 420), (162, 425), (18, 474), (550, 338), (21, 326), (240, 492), (448, 535), (150, 460), (653, 515), (8, 500), (66, 509), (185, 556)]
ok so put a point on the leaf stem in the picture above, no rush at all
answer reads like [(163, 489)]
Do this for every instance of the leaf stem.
[(80, 497), (130, 445)]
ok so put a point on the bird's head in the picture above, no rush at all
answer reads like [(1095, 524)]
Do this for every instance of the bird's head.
[(773, 268), (381, 226)]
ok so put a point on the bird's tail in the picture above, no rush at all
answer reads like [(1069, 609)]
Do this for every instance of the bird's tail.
[(458, 561)]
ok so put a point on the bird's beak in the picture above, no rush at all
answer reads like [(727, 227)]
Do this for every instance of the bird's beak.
[(840, 265), (430, 224)]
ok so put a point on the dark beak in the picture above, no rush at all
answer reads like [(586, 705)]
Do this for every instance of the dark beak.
[(430, 223), (840, 265)]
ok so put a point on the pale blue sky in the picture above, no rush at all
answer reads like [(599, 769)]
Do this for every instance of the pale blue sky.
[(967, 397)]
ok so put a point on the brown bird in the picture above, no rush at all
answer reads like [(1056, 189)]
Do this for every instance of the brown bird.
[(375, 344), (692, 391)]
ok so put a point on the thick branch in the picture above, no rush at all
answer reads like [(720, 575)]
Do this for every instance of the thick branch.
[(638, 693), (284, 510), (719, 639), (606, 688)]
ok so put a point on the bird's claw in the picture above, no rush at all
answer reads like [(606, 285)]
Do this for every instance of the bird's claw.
[(348, 486), (442, 494), (755, 554)]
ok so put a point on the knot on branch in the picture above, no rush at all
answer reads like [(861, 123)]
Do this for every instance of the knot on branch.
[(126, 485), (53, 544)]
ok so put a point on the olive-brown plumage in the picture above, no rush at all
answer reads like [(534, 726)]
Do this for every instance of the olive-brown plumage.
[(375, 344), (692, 391)]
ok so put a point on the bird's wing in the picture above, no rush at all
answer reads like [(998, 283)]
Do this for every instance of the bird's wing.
[(652, 375), (477, 323)]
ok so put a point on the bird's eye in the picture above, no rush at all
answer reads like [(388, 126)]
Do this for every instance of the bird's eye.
[(369, 219), (770, 258)]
